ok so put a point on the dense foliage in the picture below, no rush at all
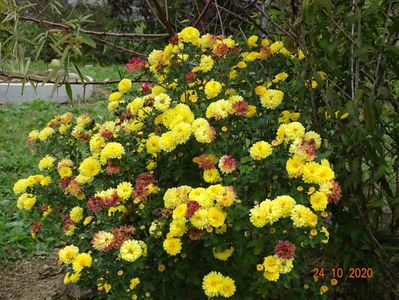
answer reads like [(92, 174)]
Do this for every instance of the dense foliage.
[(205, 181)]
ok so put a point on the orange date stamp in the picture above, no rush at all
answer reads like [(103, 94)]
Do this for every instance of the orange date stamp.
[(352, 273)]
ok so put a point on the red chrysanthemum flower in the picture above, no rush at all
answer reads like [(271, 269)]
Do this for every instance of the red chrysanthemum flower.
[(192, 207), (189, 76), (205, 161), (265, 51), (68, 224), (174, 39), (35, 227), (227, 164), (74, 187), (121, 234), (43, 207), (146, 88), (221, 50), (285, 249), (107, 134), (94, 204), (240, 108), (336, 193), (308, 148), (64, 182), (212, 133), (142, 183), (194, 234), (135, 64), (112, 169)]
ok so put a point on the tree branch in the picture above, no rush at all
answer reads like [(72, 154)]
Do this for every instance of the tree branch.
[(204, 10), (219, 16), (119, 47), (97, 33), (162, 17), (247, 20), (76, 81), (288, 33)]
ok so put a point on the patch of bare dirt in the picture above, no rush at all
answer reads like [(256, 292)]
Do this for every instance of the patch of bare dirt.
[(34, 279)]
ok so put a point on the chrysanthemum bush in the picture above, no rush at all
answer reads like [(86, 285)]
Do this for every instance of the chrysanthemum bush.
[(206, 184)]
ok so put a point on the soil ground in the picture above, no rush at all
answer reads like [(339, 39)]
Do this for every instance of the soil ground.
[(39, 278)]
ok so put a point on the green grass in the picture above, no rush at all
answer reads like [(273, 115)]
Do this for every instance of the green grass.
[(17, 159)]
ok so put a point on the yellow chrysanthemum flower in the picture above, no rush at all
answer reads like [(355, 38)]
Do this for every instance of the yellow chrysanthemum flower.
[(211, 175), (134, 282), (81, 261), (200, 218), (76, 214), (271, 264), (172, 246), (71, 278), (20, 186), (280, 77), (177, 227), (131, 250), (286, 204), (67, 254), (111, 150), (102, 240), (223, 255), (271, 98), (181, 132), (294, 166), (212, 89), (167, 142), (271, 276), (252, 41), (26, 201), (162, 102), (189, 35), (228, 287), (90, 167), (124, 190), (45, 133), (319, 201), (206, 63), (276, 47), (212, 284), (115, 97), (125, 85), (46, 162), (302, 216), (216, 217), (260, 150), (294, 130)]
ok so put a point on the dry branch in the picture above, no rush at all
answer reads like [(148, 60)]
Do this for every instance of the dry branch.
[(202, 13), (39, 79), (105, 42), (98, 33), (247, 20)]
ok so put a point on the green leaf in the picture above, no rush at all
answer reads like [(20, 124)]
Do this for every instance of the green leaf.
[(380, 172), (88, 40), (119, 72), (82, 79), (68, 90), (65, 53)]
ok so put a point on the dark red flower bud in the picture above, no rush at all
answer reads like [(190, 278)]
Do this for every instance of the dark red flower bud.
[(190, 76)]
